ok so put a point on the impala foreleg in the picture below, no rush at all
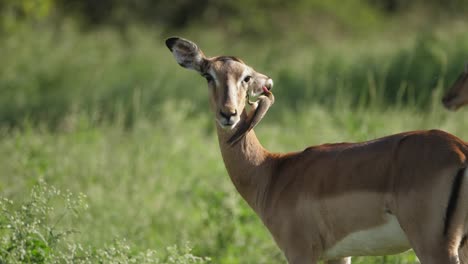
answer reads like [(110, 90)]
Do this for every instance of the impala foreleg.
[(339, 261)]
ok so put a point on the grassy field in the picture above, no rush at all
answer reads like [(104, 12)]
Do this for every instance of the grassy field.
[(121, 123), (163, 183), (116, 78)]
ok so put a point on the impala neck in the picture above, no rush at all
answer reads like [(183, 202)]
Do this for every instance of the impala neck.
[(246, 162)]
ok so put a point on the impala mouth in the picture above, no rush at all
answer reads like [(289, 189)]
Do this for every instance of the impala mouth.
[(227, 124), (262, 90)]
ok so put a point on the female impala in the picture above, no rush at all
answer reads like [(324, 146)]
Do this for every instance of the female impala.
[(333, 201), (457, 95)]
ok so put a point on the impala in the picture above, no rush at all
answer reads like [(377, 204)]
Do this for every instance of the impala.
[(333, 201), (457, 95)]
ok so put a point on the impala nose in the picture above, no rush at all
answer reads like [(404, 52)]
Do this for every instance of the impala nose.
[(227, 115)]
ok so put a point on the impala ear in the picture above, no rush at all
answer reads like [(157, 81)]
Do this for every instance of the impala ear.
[(257, 114), (186, 53)]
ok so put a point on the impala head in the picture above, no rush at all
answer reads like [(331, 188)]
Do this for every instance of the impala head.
[(230, 81), (457, 95)]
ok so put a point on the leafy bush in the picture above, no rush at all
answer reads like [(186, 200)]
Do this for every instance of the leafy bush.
[(34, 232), (30, 232)]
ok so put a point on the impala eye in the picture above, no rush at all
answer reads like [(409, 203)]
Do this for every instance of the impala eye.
[(247, 79), (208, 77)]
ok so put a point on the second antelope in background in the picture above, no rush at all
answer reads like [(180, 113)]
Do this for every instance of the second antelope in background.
[(457, 95)]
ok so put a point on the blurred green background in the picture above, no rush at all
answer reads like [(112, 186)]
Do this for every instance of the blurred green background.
[(92, 101)]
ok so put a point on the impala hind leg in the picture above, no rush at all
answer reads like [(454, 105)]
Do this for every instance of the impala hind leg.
[(339, 261), (460, 223), (430, 243), (433, 218), (439, 259)]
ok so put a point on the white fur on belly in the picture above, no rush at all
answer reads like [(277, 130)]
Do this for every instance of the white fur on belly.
[(385, 239)]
